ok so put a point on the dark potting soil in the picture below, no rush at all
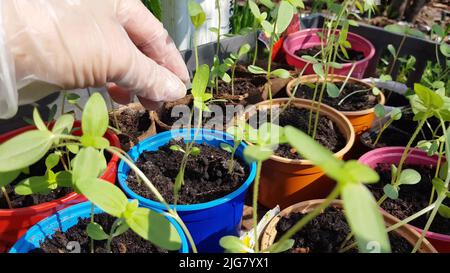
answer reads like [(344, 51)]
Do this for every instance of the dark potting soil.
[(247, 91), (412, 198), (328, 133), (389, 138), (132, 124), (206, 176), (327, 232), (356, 102), (20, 201), (129, 242), (353, 55)]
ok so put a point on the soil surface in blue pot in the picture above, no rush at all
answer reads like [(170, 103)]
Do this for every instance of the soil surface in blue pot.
[(206, 176), (129, 242)]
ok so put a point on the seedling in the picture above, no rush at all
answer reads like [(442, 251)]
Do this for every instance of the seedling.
[(233, 60), (237, 131), (380, 112), (198, 18), (283, 17), (407, 65), (367, 227), (198, 91), (88, 164)]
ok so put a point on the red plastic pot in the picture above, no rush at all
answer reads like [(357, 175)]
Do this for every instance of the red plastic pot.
[(392, 155), (308, 38), (14, 223)]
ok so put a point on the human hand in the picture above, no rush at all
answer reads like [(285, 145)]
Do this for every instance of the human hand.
[(79, 43)]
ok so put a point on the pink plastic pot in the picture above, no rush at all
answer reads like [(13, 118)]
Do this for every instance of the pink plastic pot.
[(15, 222), (308, 38), (392, 155)]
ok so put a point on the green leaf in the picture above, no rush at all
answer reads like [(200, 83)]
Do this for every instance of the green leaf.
[(314, 152), (379, 110), (8, 177), (72, 98), (254, 9), (445, 49), (409, 177), (51, 161), (200, 82), (376, 91), (154, 227), (214, 30), (95, 231), (335, 65), (268, 3), (332, 90), (385, 78), (256, 70), (267, 27), (391, 191), (281, 247), (40, 125), (198, 16), (257, 153), (444, 211), (94, 142), (35, 185), (439, 186), (226, 147), (396, 114), (63, 124), (297, 4), (364, 217), (24, 150), (318, 69), (243, 50), (233, 244), (105, 195), (64, 179), (176, 148), (443, 170), (360, 173), (281, 73), (195, 151), (310, 59), (95, 118), (89, 163), (121, 229), (74, 149), (284, 17), (438, 30), (392, 50)]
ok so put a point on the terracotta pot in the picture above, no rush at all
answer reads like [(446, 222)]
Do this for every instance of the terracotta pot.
[(270, 233), (285, 181), (361, 120), (14, 223), (308, 38), (392, 155), (137, 107)]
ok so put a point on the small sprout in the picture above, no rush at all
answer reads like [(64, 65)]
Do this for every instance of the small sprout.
[(332, 90), (195, 151), (444, 211), (379, 110), (177, 148), (391, 191)]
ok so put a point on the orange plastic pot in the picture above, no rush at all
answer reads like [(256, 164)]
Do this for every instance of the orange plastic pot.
[(411, 235), (285, 181), (361, 120), (15, 222)]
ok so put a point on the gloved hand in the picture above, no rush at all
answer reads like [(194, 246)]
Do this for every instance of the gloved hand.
[(79, 43)]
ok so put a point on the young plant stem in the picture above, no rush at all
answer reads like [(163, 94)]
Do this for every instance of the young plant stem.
[(400, 47), (114, 227), (383, 128), (440, 198), (311, 111), (92, 221), (233, 73), (8, 200), (310, 216), (156, 193), (255, 55), (255, 204), (116, 121), (436, 174), (196, 50)]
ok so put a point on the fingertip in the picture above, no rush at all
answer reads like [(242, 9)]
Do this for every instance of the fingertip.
[(119, 94)]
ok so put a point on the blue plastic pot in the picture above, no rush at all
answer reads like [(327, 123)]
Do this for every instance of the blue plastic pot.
[(65, 219), (207, 222)]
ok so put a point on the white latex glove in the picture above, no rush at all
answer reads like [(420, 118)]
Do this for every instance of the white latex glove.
[(79, 43)]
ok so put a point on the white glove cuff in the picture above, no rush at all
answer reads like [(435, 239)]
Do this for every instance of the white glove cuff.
[(8, 91)]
